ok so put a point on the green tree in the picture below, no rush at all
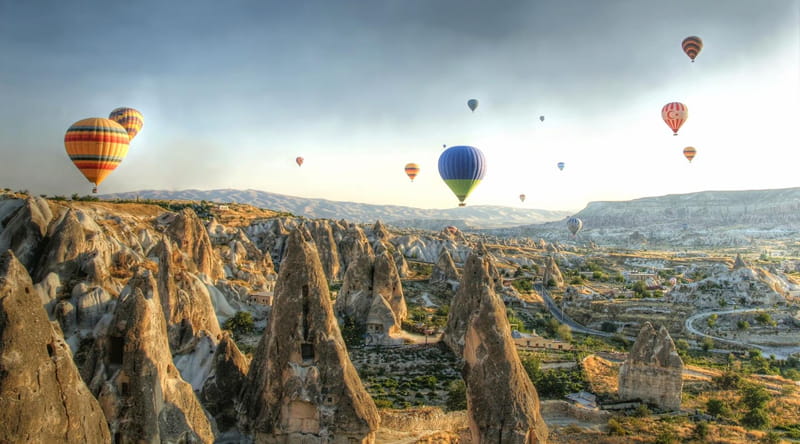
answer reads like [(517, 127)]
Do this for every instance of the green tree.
[(707, 344), (715, 407), (700, 431), (564, 333), (754, 396), (712, 320), (456, 395), (764, 318), (240, 324), (756, 419), (608, 327), (743, 325)]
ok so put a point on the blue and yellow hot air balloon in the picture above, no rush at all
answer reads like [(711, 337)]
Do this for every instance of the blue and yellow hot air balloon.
[(96, 146), (130, 119), (472, 104), (462, 168)]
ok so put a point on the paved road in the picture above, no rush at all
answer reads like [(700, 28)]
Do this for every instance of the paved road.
[(562, 317), (779, 352)]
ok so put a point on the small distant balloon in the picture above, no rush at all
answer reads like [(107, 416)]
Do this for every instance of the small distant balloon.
[(299, 161), (472, 104), (129, 118), (689, 152), (673, 281), (574, 225), (412, 169), (561, 166), (522, 197), (692, 46), (541, 118), (674, 114)]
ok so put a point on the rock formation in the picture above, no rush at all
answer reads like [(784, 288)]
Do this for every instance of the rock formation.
[(552, 272), (302, 386), (42, 396), (379, 231), (191, 237), (354, 244), (739, 263), (25, 228), (653, 370), (327, 248), (225, 382), (445, 269), (131, 372), (502, 403)]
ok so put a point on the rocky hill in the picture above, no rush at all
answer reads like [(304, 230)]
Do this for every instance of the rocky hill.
[(472, 216)]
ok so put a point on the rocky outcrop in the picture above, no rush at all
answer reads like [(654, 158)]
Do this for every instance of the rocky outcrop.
[(224, 383), (131, 372), (191, 237), (302, 386), (445, 269), (739, 262), (653, 370), (379, 232), (502, 403), (24, 228), (552, 272), (326, 247), (401, 263), (42, 396), (354, 244)]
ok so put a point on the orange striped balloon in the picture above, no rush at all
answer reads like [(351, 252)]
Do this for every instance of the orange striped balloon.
[(96, 146), (412, 169), (130, 119), (692, 46), (689, 152), (674, 114)]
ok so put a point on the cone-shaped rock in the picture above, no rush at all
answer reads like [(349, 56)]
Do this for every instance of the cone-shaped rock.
[(139, 388), (42, 396), (188, 232), (354, 245), (552, 272), (445, 269), (380, 232), (739, 263), (326, 247), (302, 386), (23, 232), (225, 382), (386, 284), (653, 370), (502, 403)]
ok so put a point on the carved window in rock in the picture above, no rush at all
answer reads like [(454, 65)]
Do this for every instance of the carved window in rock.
[(307, 352), (116, 349), (126, 389)]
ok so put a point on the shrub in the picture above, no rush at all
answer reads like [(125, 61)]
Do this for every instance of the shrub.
[(756, 419), (728, 380), (608, 327), (456, 395), (700, 431), (615, 428), (715, 407), (240, 324), (642, 411)]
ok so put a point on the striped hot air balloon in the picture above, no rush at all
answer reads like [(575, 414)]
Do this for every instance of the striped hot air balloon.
[(299, 161), (674, 114), (96, 146), (130, 119), (574, 225), (689, 152), (412, 169), (692, 46), (462, 168)]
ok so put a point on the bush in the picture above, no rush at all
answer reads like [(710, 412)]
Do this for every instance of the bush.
[(715, 407), (756, 419), (755, 396), (615, 428), (240, 324), (608, 327), (743, 325), (707, 344), (642, 411), (770, 438), (712, 320), (727, 380), (456, 395), (700, 431)]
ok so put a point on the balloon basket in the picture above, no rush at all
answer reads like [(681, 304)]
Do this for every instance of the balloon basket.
[(94, 190), (462, 204)]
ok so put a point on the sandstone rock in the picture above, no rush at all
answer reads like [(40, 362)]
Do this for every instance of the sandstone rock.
[(445, 269), (503, 405), (379, 231), (355, 296), (401, 263), (653, 370), (551, 271), (131, 370), (42, 397), (191, 237), (25, 229), (386, 284), (739, 263), (301, 386), (224, 383), (354, 245), (326, 248)]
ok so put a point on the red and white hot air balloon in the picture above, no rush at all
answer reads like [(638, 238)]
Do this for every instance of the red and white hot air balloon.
[(674, 114), (299, 161)]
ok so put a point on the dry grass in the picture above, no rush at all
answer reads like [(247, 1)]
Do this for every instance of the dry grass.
[(602, 375)]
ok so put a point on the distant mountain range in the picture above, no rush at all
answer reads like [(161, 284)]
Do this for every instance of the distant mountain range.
[(478, 216)]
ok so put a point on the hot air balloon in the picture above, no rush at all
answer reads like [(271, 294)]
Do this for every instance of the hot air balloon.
[(574, 225), (472, 104), (673, 281), (674, 114), (299, 161), (130, 119), (692, 46), (96, 146), (689, 152), (412, 169), (522, 197), (462, 169), (451, 229), (541, 118), (560, 166)]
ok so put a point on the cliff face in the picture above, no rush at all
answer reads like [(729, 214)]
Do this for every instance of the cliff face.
[(301, 384), (653, 371), (42, 397), (502, 402)]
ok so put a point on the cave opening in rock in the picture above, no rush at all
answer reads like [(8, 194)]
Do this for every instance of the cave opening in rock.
[(307, 351), (116, 349)]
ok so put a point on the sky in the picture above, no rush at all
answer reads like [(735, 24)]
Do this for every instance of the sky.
[(232, 92)]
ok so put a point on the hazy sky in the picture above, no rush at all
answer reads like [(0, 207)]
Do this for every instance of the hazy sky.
[(232, 91)]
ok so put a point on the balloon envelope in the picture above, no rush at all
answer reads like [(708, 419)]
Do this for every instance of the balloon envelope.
[(412, 169), (130, 119), (574, 225), (689, 152), (674, 114), (96, 146), (541, 118), (472, 104), (692, 46), (299, 161), (462, 168), (561, 166), (522, 197)]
